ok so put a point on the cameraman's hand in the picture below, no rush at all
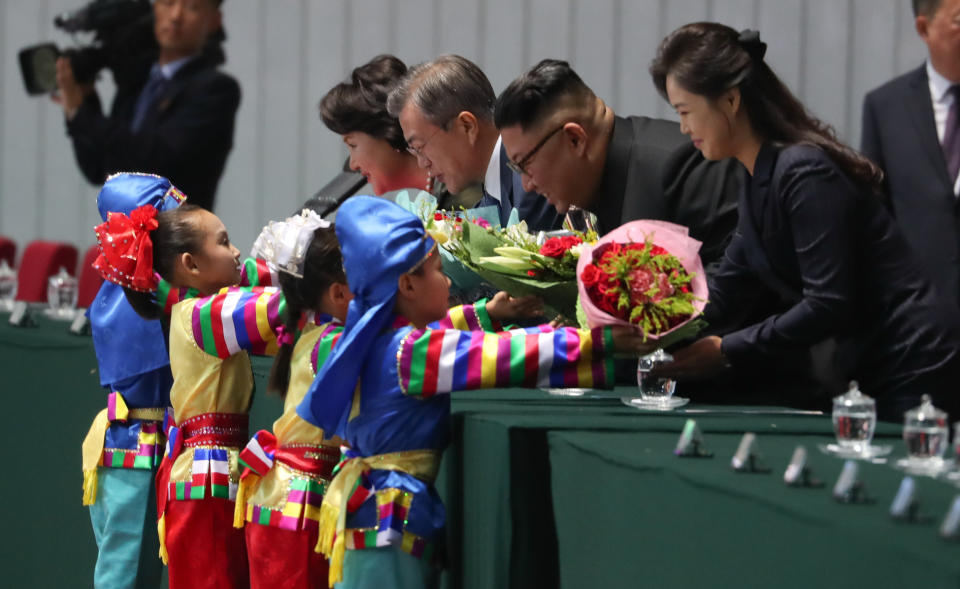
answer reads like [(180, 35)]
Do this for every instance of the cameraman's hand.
[(503, 307), (70, 93)]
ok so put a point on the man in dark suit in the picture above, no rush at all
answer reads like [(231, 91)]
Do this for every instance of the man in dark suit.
[(445, 108), (910, 129), (568, 145), (177, 121)]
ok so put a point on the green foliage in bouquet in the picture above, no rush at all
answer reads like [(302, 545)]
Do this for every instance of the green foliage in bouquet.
[(641, 283), (508, 267)]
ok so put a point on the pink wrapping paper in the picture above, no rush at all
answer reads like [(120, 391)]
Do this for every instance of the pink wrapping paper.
[(671, 237)]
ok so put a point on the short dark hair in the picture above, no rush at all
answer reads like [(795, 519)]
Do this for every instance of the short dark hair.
[(926, 7), (533, 96), (360, 103), (443, 88)]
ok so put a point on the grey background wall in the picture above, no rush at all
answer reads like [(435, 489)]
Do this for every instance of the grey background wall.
[(288, 53)]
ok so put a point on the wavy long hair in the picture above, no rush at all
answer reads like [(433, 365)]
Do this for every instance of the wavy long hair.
[(710, 58)]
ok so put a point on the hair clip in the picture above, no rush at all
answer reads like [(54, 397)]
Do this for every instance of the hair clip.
[(749, 39)]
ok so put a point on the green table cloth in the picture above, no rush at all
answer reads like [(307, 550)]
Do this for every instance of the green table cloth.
[(51, 393), (541, 490), (586, 492)]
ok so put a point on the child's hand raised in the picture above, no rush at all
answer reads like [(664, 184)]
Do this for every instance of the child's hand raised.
[(503, 307), (629, 341)]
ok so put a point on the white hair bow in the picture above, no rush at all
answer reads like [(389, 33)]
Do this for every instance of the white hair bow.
[(283, 244)]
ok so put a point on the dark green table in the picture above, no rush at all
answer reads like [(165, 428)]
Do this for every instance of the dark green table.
[(50, 395), (542, 491), (586, 492), (51, 392)]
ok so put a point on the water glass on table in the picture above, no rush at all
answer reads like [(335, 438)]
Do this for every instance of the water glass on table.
[(8, 286), (62, 294), (654, 390)]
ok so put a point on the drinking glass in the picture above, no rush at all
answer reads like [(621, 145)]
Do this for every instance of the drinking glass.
[(62, 294), (8, 286), (652, 389)]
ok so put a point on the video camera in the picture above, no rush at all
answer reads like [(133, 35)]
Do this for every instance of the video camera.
[(123, 40)]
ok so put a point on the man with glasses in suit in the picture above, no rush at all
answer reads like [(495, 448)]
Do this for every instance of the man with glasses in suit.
[(567, 144)]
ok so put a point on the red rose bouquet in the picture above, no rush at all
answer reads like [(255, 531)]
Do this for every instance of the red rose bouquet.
[(647, 274)]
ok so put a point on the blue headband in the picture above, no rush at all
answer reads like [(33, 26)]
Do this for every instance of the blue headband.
[(127, 345), (380, 241)]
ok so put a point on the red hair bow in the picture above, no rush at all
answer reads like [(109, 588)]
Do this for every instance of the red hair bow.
[(126, 251)]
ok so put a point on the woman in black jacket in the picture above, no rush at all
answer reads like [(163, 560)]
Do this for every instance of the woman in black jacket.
[(813, 234)]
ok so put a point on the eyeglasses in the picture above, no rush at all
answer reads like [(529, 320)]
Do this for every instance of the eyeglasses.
[(520, 167), (417, 152)]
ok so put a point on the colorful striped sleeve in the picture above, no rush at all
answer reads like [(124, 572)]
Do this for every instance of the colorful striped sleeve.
[(239, 318), (168, 295), (468, 318), (432, 361), (328, 338), (256, 272)]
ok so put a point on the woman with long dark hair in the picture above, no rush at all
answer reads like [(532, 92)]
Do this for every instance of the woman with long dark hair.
[(813, 234)]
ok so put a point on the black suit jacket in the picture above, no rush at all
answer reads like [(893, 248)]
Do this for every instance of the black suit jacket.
[(186, 135), (900, 135), (653, 171), (843, 271), (531, 207)]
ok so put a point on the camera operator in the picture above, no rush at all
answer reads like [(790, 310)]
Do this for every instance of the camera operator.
[(175, 119)]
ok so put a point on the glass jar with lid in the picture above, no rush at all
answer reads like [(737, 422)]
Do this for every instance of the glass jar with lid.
[(925, 431), (854, 419), (62, 294)]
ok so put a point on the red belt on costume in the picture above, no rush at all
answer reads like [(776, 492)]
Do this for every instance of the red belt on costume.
[(313, 465), (312, 459), (214, 429), (209, 436)]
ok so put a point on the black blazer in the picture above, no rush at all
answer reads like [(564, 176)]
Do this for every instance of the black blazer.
[(531, 207), (653, 171), (843, 271), (900, 135), (185, 136)]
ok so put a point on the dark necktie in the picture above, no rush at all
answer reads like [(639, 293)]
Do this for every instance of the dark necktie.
[(951, 136), (151, 90)]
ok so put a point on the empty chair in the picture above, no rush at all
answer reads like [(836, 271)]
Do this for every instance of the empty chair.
[(8, 250), (40, 261), (90, 280)]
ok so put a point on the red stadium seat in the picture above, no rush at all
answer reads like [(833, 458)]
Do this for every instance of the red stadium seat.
[(8, 250), (40, 261), (90, 280)]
